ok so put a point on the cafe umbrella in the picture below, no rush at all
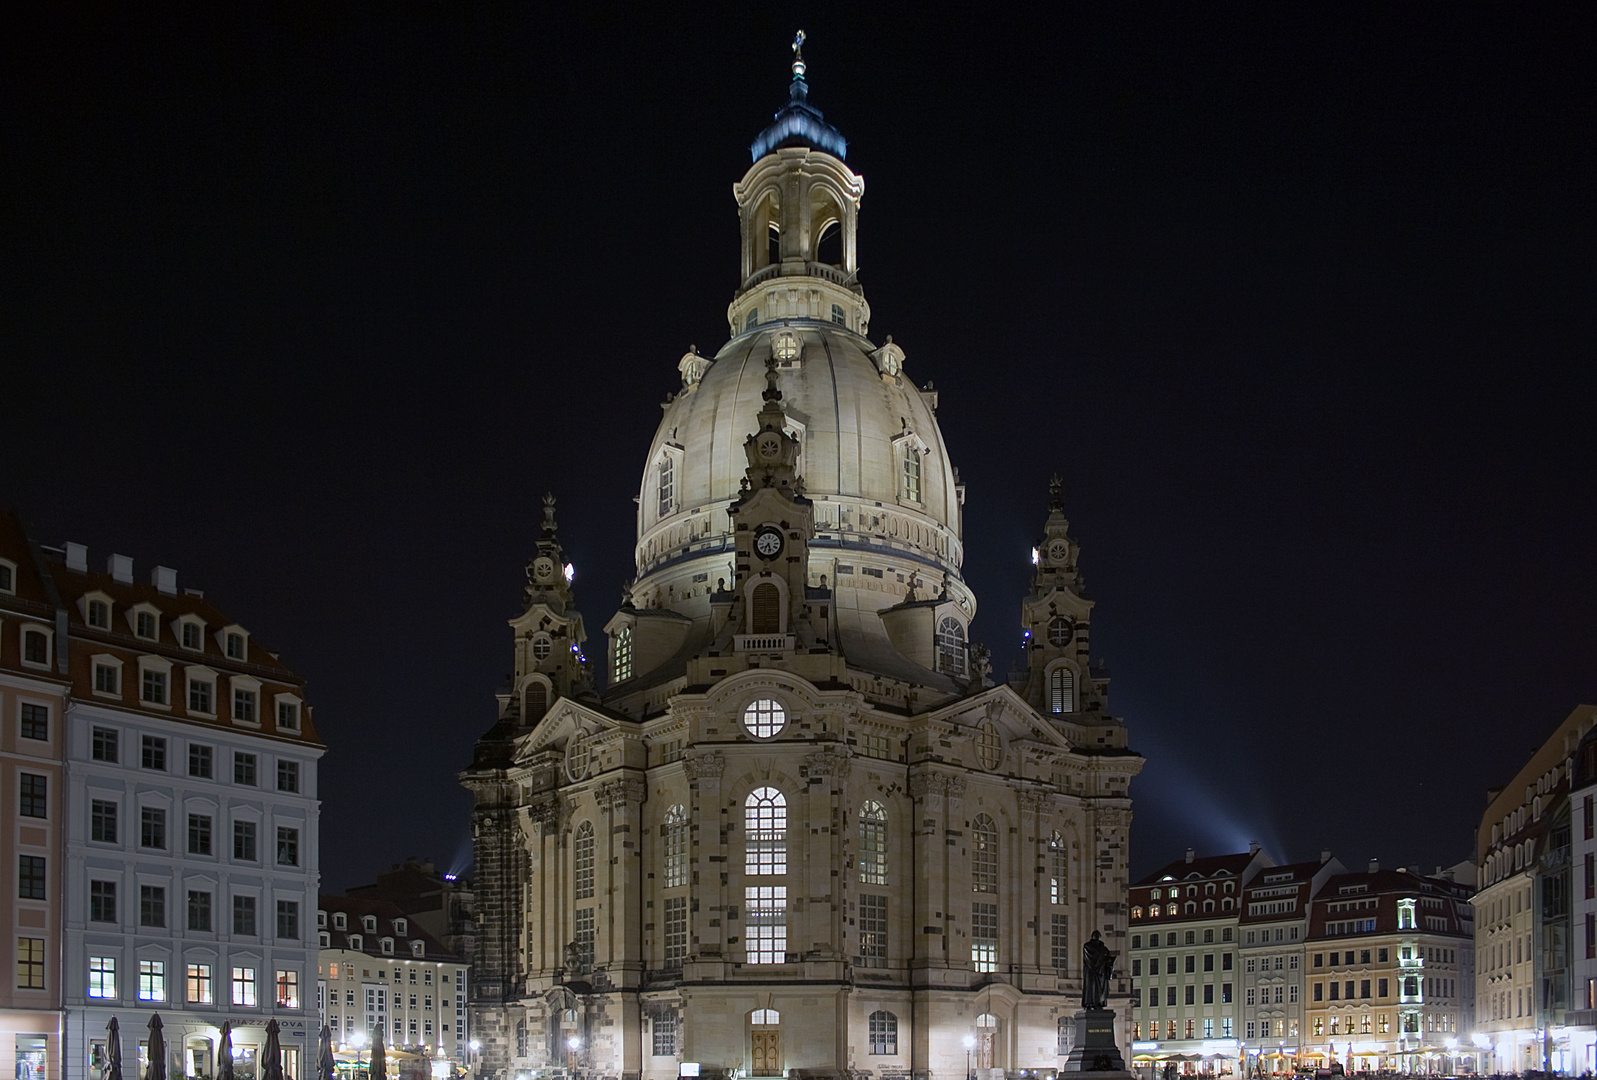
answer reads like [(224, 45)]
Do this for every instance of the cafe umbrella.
[(156, 1069), (378, 1069), (113, 1051), (224, 1052), (325, 1067), (272, 1065)]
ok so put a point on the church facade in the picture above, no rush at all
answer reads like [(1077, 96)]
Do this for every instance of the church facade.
[(800, 830)]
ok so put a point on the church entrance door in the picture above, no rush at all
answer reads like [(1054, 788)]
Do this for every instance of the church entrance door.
[(767, 1057)]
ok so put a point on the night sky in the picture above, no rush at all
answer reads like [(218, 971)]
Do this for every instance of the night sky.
[(314, 306)]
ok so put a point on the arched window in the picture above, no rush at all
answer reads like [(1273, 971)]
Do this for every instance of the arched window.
[(666, 475), (765, 825), (675, 832), (989, 747), (1056, 868), (1062, 690), (1136, 913), (1066, 1030), (582, 859), (765, 615), (622, 666), (872, 844), (534, 702), (951, 647), (1192, 907), (984, 855), (884, 1032), (1170, 909), (911, 472)]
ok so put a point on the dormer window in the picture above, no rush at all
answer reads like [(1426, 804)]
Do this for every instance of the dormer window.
[(387, 946), (144, 625), (401, 927), (369, 923), (324, 939), (355, 942), (665, 475), (338, 920), (418, 948), (951, 647), (622, 663), (8, 577), (235, 646), (191, 632), (234, 641), (910, 453), (288, 712), (321, 918), (99, 615)]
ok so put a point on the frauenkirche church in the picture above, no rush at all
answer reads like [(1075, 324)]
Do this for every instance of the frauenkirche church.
[(800, 831)]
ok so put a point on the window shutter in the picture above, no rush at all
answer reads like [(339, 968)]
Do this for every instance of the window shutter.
[(767, 612)]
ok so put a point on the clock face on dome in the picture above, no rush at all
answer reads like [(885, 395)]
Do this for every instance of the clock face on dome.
[(768, 541)]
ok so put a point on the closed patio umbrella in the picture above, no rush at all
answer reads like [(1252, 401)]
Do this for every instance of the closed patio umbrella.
[(113, 1051), (272, 1055), (324, 1056), (156, 1069), (224, 1052), (378, 1070)]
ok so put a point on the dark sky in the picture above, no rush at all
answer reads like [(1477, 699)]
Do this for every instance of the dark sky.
[(315, 305)]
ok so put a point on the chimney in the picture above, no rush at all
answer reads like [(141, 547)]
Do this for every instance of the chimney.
[(1325, 855), (1253, 847), (1191, 854), (1375, 864), (77, 557), (164, 578), (120, 567)]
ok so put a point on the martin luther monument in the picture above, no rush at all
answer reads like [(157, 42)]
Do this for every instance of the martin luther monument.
[(1093, 1050)]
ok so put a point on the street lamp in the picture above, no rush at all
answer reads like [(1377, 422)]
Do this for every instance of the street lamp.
[(573, 1044), (970, 1042), (359, 1041)]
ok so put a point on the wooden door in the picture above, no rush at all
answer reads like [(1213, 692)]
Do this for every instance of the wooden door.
[(767, 1056)]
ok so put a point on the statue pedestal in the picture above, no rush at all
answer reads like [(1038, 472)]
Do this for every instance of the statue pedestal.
[(1094, 1050)]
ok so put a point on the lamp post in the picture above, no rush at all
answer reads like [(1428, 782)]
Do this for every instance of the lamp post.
[(358, 1041), (473, 1046), (573, 1044), (970, 1042)]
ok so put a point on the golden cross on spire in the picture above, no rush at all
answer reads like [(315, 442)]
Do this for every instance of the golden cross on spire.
[(798, 55)]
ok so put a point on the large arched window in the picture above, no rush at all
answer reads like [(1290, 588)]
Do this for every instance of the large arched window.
[(984, 855), (1056, 868), (1062, 690), (676, 846), (582, 859), (765, 610), (951, 647), (872, 843), (765, 826), (884, 1032)]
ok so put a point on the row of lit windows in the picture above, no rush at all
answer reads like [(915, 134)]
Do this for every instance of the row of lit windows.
[(103, 897), (1190, 1029), (1191, 908), (198, 982)]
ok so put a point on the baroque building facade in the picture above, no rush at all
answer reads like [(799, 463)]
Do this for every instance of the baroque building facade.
[(800, 830)]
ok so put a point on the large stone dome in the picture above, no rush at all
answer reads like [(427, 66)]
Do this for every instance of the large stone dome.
[(872, 458)]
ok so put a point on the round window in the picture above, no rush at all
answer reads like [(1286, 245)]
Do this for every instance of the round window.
[(785, 346), (989, 748), (1060, 630), (542, 647), (764, 718), (577, 757)]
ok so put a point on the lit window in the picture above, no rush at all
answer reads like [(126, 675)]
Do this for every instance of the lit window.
[(676, 932), (873, 844), (765, 926), (623, 654), (912, 485), (102, 977), (872, 930), (675, 833), (287, 989), (950, 647), (764, 718), (244, 986), (584, 939), (765, 826), (583, 859), (30, 963), (884, 1033), (984, 855), (152, 980), (665, 476), (837, 315), (984, 937), (1057, 864)]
